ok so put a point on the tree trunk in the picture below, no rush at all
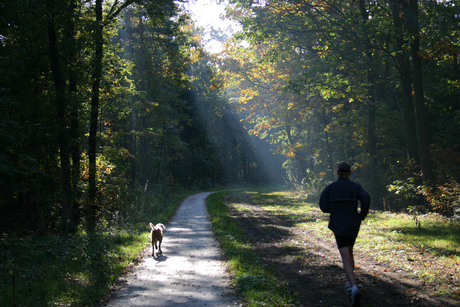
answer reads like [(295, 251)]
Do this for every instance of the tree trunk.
[(330, 152), (299, 171), (402, 59), (371, 126), (132, 140), (61, 106), (411, 18), (456, 75), (146, 152), (94, 115), (455, 67), (74, 115)]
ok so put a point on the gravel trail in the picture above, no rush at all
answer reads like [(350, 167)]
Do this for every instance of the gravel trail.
[(190, 272)]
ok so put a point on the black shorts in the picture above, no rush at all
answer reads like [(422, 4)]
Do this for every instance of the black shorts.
[(345, 241)]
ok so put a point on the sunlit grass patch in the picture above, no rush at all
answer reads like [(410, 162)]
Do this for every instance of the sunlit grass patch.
[(278, 200), (431, 252), (436, 236), (289, 206)]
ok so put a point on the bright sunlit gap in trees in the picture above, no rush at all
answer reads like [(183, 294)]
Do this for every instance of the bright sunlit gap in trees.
[(210, 17)]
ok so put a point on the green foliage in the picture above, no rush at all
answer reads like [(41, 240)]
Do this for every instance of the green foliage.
[(149, 129), (420, 198)]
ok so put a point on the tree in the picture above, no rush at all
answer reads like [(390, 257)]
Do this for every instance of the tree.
[(403, 67), (61, 117), (411, 17)]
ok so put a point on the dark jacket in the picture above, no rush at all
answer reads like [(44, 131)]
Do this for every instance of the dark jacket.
[(340, 199)]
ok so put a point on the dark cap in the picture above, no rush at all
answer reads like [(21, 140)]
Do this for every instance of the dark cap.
[(344, 167)]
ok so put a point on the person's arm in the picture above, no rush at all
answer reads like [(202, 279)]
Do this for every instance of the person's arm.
[(324, 201), (365, 201)]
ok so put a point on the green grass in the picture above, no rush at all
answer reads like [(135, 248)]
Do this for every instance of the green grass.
[(76, 269), (431, 252)]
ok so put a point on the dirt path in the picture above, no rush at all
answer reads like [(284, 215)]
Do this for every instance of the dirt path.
[(189, 273), (313, 268)]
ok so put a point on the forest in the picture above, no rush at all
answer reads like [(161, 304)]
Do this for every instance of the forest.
[(102, 101), (109, 109)]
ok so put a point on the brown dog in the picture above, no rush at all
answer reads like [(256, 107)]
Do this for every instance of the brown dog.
[(156, 235)]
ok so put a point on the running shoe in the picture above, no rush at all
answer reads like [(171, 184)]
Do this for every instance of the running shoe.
[(348, 288)]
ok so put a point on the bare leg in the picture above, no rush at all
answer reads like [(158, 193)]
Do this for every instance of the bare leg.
[(349, 266), (348, 263), (350, 249)]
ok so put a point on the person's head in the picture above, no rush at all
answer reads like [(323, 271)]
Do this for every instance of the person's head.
[(344, 169)]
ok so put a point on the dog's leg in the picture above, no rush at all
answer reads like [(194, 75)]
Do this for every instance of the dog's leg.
[(159, 247), (154, 246), (151, 242), (151, 239)]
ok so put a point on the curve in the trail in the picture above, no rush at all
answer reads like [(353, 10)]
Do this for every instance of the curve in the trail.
[(189, 273)]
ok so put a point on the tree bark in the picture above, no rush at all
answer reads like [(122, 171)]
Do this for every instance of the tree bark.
[(403, 62), (91, 209), (132, 141), (371, 126), (411, 17), (61, 120), (75, 148), (330, 159), (145, 148)]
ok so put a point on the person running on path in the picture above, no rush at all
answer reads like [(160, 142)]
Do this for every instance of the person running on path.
[(340, 199)]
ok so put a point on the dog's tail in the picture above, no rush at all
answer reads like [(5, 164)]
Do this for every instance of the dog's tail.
[(159, 225)]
